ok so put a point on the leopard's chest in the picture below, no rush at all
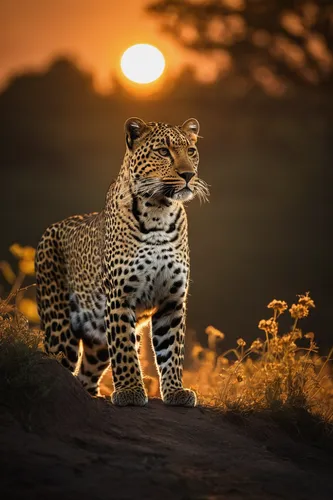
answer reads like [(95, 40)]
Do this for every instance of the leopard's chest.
[(153, 276), (148, 252)]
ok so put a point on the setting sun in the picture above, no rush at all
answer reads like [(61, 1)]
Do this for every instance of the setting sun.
[(142, 63)]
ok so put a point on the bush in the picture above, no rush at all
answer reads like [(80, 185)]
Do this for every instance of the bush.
[(273, 373)]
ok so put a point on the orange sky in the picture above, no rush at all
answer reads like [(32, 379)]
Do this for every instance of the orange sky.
[(97, 32)]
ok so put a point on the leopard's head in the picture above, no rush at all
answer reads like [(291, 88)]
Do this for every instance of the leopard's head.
[(163, 160)]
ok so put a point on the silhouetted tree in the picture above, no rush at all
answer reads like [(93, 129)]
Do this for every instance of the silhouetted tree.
[(270, 43)]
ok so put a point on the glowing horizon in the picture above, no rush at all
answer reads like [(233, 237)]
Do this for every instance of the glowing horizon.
[(41, 31)]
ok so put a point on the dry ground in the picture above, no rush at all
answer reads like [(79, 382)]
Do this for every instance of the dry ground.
[(67, 445)]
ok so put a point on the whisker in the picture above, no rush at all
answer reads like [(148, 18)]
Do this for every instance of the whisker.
[(201, 190)]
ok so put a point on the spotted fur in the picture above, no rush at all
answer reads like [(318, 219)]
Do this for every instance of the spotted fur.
[(100, 275)]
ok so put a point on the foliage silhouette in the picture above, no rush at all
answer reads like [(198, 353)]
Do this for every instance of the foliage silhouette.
[(271, 44)]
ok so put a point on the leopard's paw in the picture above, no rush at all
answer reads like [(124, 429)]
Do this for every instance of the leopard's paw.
[(133, 396), (181, 397)]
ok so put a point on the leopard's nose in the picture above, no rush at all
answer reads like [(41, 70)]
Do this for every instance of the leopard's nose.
[(186, 175)]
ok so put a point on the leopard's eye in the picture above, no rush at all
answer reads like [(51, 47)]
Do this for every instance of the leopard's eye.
[(164, 151), (191, 151)]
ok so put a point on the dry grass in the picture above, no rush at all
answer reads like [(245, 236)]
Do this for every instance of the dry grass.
[(279, 372)]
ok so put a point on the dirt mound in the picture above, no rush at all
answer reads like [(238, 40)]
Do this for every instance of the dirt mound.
[(78, 447), (46, 396)]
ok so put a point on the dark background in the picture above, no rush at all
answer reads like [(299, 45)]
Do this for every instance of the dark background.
[(266, 232)]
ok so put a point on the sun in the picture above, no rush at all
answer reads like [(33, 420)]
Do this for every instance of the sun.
[(142, 63)]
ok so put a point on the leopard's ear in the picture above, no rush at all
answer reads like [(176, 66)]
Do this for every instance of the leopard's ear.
[(191, 127), (134, 129)]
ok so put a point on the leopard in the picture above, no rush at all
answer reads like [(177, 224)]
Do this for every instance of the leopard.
[(102, 276)]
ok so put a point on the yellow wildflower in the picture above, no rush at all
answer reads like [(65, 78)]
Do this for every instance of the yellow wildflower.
[(197, 351), (305, 300), (257, 344), (278, 305), (29, 253), (27, 266), (214, 337), (17, 250), (269, 326), (26, 256), (241, 342), (29, 308), (298, 311), (211, 330), (310, 336)]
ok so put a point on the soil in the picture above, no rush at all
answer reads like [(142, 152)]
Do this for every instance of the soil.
[(70, 446)]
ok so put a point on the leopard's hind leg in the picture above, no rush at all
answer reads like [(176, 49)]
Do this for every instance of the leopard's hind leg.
[(88, 324), (53, 301), (95, 360)]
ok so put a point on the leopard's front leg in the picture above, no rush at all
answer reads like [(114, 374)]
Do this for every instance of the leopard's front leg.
[(126, 371), (169, 343)]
